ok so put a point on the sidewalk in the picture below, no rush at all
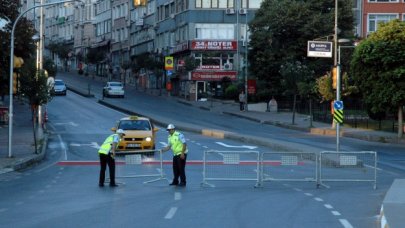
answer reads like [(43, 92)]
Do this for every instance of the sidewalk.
[(23, 151)]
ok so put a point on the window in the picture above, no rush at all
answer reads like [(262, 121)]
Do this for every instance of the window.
[(375, 19), (214, 31), (214, 3)]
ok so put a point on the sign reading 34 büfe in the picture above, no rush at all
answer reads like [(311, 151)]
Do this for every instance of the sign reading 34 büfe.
[(213, 45)]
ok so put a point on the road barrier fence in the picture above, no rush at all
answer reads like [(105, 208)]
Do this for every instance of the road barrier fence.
[(289, 166), (140, 163)]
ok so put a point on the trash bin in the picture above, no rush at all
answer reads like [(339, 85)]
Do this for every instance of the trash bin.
[(4, 115), (273, 105)]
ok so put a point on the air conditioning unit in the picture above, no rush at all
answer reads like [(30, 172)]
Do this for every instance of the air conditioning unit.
[(242, 11), (227, 66), (230, 11)]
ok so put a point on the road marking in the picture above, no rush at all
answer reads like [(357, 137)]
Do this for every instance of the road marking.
[(62, 145), (177, 196), (318, 199), (297, 189), (92, 144), (171, 213), (19, 203), (3, 209), (163, 144), (308, 194), (205, 147), (328, 206), (69, 123), (230, 146), (336, 213), (345, 223)]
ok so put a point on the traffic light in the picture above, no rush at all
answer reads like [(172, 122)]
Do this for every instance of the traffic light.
[(18, 62), (15, 83), (334, 77)]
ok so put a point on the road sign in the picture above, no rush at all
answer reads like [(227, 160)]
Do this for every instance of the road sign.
[(319, 49), (338, 105), (338, 116), (169, 73)]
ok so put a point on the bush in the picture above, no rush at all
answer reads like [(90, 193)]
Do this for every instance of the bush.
[(231, 92)]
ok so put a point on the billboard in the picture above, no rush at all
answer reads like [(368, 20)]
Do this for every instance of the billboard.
[(319, 49)]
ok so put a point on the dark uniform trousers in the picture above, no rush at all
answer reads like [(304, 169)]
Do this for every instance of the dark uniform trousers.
[(179, 166), (104, 160)]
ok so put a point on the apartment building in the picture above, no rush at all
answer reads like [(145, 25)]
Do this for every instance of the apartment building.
[(376, 11)]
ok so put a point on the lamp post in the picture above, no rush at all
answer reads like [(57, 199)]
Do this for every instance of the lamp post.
[(11, 112), (335, 63), (246, 61)]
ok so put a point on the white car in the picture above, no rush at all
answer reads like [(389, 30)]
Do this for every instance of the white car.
[(113, 89), (59, 87)]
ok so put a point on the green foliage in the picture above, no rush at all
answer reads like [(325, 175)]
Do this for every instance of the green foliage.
[(231, 92), (324, 87), (189, 63), (61, 49), (95, 56), (281, 30), (294, 73), (24, 46), (378, 68), (34, 86), (50, 67)]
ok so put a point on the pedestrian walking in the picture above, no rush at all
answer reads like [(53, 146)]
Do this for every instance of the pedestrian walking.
[(107, 157), (242, 100), (177, 143)]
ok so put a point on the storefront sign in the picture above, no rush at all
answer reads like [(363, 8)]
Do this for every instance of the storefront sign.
[(209, 67), (213, 75), (169, 63), (212, 45)]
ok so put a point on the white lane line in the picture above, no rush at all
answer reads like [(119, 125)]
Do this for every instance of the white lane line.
[(62, 145), (328, 206), (345, 223), (318, 199), (177, 196), (205, 147), (3, 209), (308, 194), (19, 203), (297, 189), (336, 213), (198, 144), (171, 213)]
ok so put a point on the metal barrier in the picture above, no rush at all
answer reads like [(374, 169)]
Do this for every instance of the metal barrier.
[(348, 166), (230, 166), (139, 164), (289, 166)]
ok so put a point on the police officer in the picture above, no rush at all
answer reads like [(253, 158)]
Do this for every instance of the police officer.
[(107, 154), (177, 143)]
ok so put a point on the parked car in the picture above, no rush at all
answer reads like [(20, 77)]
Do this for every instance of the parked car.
[(59, 87), (114, 89), (139, 134)]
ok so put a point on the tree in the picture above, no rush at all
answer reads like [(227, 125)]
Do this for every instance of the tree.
[(378, 69), (35, 89), (295, 74), (282, 29), (24, 46)]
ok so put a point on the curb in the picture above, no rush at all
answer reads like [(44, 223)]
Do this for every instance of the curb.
[(33, 159)]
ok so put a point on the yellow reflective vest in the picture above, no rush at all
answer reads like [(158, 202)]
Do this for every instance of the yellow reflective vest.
[(175, 143), (107, 144)]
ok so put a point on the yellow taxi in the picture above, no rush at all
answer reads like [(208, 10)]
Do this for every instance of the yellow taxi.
[(139, 133)]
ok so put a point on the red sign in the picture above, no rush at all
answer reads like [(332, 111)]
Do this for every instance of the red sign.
[(212, 75), (214, 45), (251, 86)]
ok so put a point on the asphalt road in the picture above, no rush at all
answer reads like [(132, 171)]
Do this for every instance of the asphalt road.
[(55, 194)]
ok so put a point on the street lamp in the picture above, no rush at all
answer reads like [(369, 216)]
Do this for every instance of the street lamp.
[(11, 112)]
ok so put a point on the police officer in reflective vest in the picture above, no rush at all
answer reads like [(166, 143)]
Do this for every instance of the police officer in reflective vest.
[(177, 143), (107, 154)]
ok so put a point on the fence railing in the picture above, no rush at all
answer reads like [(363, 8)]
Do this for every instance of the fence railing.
[(141, 164)]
